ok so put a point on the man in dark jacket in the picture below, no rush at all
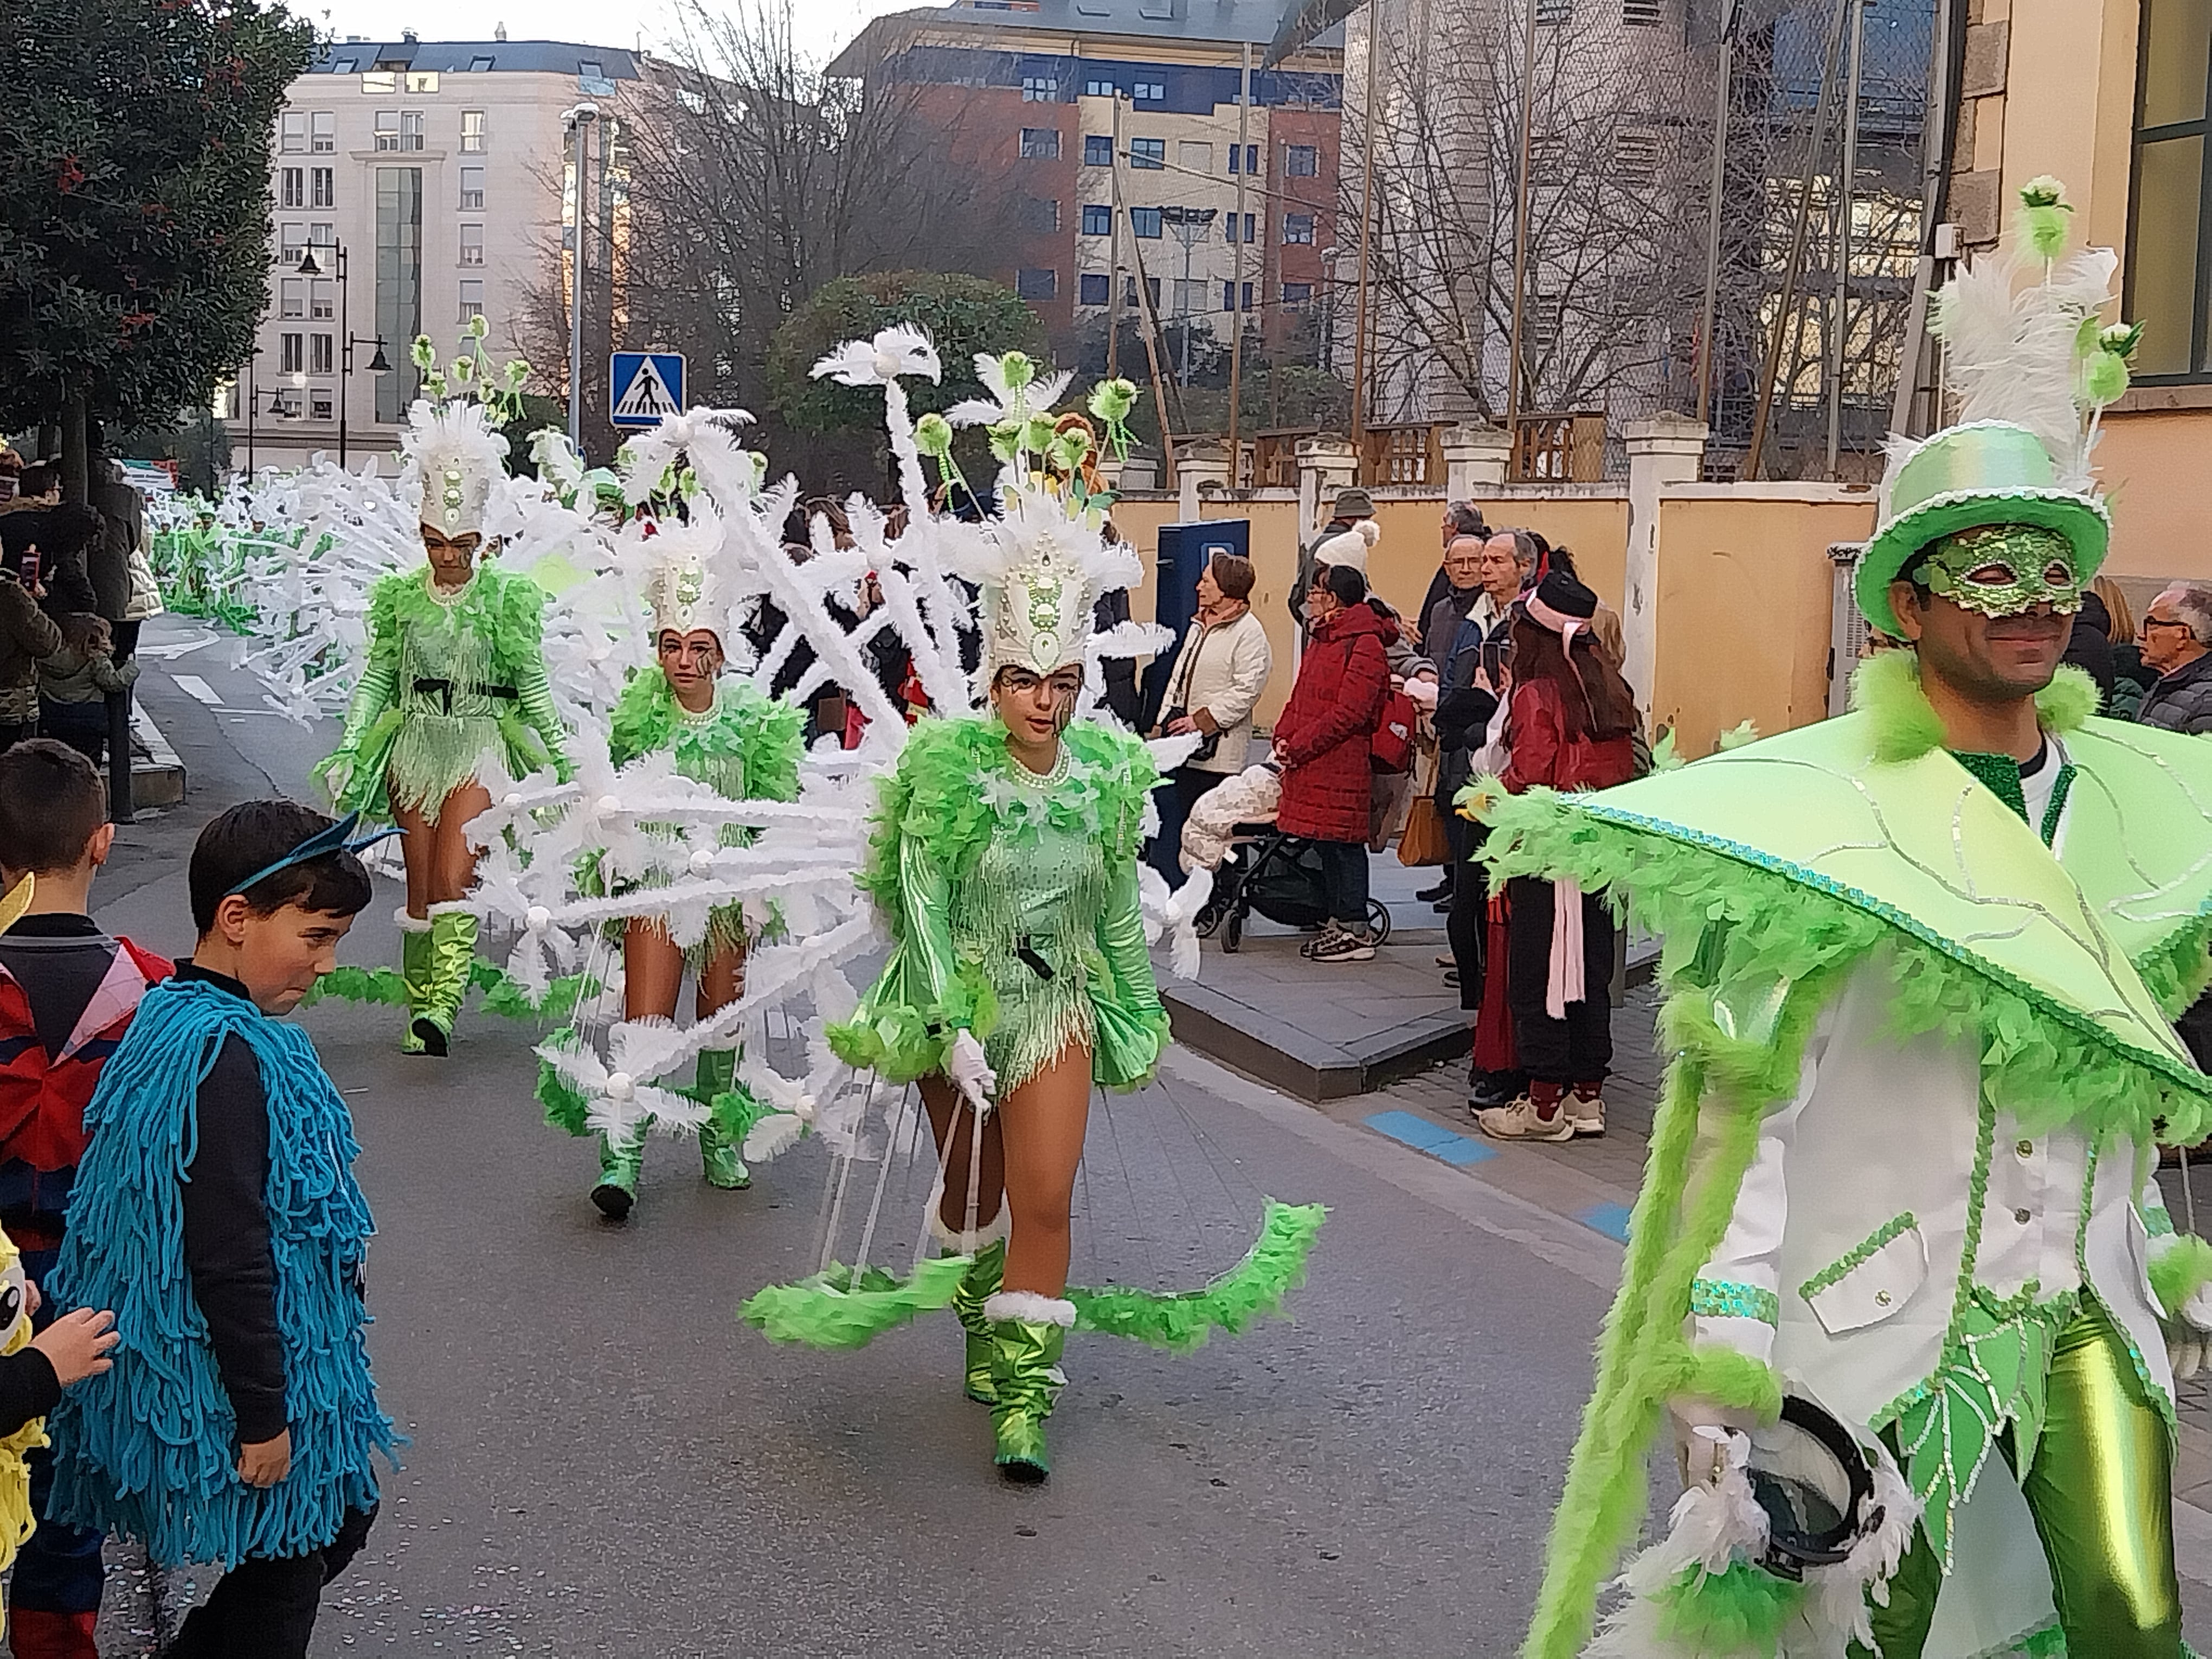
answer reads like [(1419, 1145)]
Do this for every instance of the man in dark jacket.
[(2089, 647), (1353, 506), (2176, 641)]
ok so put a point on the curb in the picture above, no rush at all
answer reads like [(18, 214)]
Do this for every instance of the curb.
[(157, 777)]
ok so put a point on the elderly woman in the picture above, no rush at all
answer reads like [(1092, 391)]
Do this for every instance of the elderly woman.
[(1218, 677)]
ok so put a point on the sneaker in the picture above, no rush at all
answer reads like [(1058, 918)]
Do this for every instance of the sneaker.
[(1587, 1115), (1328, 934), (1451, 979), (1431, 895), (1345, 946), (1519, 1121), (1486, 1091)]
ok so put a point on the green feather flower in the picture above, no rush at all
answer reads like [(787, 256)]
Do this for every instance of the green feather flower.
[(425, 355), (1111, 401), (1018, 370), (478, 327), (2046, 218), (932, 436)]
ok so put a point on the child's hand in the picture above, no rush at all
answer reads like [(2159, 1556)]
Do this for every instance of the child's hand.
[(267, 1461), (76, 1345)]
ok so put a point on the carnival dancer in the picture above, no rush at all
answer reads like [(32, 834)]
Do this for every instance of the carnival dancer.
[(1004, 864), (1921, 963), (723, 733), (456, 671)]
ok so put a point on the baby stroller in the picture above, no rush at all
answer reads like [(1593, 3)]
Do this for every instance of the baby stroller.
[(1231, 831)]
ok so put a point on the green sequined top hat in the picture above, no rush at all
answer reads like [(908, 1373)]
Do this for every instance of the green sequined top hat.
[(1986, 472)]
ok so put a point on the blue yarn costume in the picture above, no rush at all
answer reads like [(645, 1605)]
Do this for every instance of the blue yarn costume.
[(149, 1448)]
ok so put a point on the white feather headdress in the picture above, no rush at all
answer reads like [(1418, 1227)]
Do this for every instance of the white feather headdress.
[(457, 457)]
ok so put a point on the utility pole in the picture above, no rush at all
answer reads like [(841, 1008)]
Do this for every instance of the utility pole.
[(1113, 256), (577, 121), (1521, 243), (1847, 179), (1238, 243), (1706, 343), (1367, 140)]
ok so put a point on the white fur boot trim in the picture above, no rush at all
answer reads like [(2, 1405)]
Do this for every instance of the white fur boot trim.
[(411, 924), (1029, 1308), (969, 1243)]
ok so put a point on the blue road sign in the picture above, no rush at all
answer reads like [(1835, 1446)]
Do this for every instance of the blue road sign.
[(647, 387)]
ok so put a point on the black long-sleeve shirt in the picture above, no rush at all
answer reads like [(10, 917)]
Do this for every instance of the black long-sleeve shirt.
[(226, 1247), (28, 1389)]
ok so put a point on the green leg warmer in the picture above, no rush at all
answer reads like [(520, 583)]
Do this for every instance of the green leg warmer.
[(415, 973), (981, 1284), (616, 1192), (452, 954), (1025, 1380), (720, 1151)]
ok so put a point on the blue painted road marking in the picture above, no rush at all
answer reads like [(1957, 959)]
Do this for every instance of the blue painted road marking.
[(1611, 1220), (1411, 1129)]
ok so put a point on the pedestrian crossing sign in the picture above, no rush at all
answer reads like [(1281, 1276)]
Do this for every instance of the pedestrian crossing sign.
[(648, 387)]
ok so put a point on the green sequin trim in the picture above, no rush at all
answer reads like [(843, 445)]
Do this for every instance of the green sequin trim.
[(1724, 1298), (1999, 774), (1856, 1255), (2156, 1222), (2056, 809)]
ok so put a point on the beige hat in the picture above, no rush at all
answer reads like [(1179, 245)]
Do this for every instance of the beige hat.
[(1350, 547)]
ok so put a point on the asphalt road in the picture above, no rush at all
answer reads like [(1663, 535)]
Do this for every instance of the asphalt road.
[(603, 1460)]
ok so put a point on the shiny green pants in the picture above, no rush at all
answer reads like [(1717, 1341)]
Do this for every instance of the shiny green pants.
[(2101, 1494)]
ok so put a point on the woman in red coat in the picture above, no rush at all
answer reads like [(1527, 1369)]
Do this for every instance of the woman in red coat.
[(1322, 740), (1569, 727)]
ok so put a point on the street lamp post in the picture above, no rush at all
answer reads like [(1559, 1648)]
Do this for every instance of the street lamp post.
[(574, 120), (1190, 224), (378, 364)]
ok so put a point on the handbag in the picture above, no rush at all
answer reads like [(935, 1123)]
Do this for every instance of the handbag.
[(1424, 840), (1391, 748), (1212, 740)]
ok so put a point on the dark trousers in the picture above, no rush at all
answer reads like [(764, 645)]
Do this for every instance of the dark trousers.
[(1578, 1049), (1185, 785), (1470, 917), (58, 1569), (1343, 878), (13, 732), (264, 1608), (82, 726)]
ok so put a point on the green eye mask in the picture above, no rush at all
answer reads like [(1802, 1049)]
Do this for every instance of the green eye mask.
[(2001, 570)]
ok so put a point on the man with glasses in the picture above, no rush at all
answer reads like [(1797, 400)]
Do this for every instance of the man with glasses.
[(2177, 643)]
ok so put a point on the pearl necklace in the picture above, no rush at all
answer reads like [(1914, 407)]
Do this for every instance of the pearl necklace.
[(442, 594)]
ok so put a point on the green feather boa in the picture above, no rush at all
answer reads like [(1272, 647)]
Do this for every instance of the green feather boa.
[(503, 995), (1738, 1613), (1886, 687), (2179, 1271), (834, 1308)]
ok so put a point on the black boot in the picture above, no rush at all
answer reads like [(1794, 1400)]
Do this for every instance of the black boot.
[(1488, 1089)]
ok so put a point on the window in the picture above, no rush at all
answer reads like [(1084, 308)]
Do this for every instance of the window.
[(410, 128), (1244, 158), (291, 243), (1194, 156), (344, 66), (1229, 296), (472, 131), (325, 183), (1240, 230), (472, 189), (1040, 215), (379, 80), (387, 129), (1098, 221), (1096, 89), (324, 126), (1297, 229), (292, 191), (1542, 325), (1548, 159), (1640, 13), (421, 80), (1148, 155), (1153, 92), (1041, 144), (480, 65), (324, 407), (323, 236), (691, 101), (1554, 11), (1040, 89), (398, 282), (1189, 295), (1096, 290), (1636, 159), (1297, 296), (294, 350), (472, 244), (1098, 149), (471, 298), (318, 300), (293, 297), (2167, 278), (1146, 223), (292, 133), (590, 69), (1034, 284), (1151, 290), (319, 354), (1301, 161)]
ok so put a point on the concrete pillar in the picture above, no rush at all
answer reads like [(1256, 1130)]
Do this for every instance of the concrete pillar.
[(1326, 464), (1664, 450), (1140, 471), (1201, 468), (1476, 458)]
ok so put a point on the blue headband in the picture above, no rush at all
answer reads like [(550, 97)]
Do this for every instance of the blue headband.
[(334, 839)]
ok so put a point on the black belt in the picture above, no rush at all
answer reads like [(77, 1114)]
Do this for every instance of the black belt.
[(443, 691)]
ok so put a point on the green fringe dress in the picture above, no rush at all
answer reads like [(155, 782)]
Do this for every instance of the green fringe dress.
[(448, 677), (1012, 903)]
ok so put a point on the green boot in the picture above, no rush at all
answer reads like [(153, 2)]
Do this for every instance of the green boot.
[(720, 1154), (452, 954), (415, 973), (617, 1193), (1026, 1378), (981, 1284)]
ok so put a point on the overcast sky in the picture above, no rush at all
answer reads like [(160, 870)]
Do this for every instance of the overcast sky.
[(823, 25)]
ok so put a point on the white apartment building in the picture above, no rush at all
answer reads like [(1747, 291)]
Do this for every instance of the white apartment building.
[(415, 184)]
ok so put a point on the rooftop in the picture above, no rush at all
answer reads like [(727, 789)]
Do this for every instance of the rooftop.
[(1225, 22), (481, 58)]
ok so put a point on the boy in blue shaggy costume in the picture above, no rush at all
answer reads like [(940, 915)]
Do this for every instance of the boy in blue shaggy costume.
[(215, 1211)]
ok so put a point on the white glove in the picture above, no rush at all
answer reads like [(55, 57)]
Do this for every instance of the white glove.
[(1702, 1428), (2189, 1335), (1423, 691), (970, 1072)]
